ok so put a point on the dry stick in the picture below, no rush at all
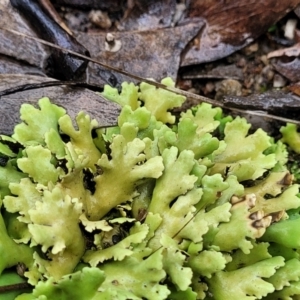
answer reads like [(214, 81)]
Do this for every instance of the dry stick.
[(155, 83), (33, 86), (14, 287), (55, 16)]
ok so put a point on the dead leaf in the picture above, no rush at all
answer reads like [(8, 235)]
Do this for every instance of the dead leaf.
[(297, 11), (61, 65), (295, 88), (112, 5), (276, 102), (148, 15), (12, 66), (17, 47), (151, 54), (231, 25), (219, 72), (289, 69), (290, 51), (72, 99)]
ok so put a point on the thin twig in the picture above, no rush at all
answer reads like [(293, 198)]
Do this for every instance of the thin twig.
[(15, 287), (55, 16), (33, 86)]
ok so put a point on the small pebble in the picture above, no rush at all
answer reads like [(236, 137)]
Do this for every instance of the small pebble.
[(251, 48), (100, 19), (193, 90), (259, 79), (278, 81), (209, 87), (228, 87), (241, 62), (264, 60), (268, 72), (185, 84), (248, 82), (289, 29)]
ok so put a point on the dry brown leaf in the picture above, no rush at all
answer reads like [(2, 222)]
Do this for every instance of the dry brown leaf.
[(72, 99), (17, 47), (275, 102), (148, 15), (151, 54), (112, 5), (290, 51), (219, 72), (12, 66), (295, 88), (231, 25), (289, 69)]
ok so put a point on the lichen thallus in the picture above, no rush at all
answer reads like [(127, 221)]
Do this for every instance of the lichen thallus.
[(187, 94)]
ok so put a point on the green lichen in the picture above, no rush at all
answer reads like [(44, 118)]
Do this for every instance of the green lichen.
[(149, 209)]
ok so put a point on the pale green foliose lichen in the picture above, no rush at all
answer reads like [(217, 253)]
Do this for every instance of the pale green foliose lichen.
[(154, 208)]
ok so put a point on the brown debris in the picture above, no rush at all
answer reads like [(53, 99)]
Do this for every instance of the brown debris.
[(249, 198), (9, 65), (148, 15), (13, 46), (100, 19), (288, 62), (72, 99), (228, 87), (153, 54), (277, 216), (295, 88), (61, 65), (262, 223), (257, 220), (257, 215), (54, 15), (272, 101), (287, 180), (293, 51), (231, 25), (289, 69), (231, 71), (112, 5)]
